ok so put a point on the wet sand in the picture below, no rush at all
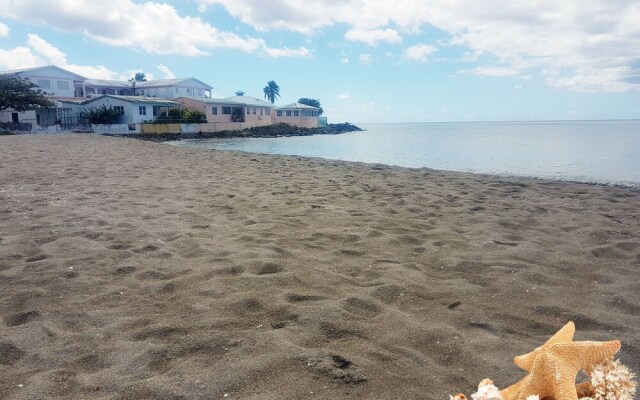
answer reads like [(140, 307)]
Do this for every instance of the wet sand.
[(136, 270)]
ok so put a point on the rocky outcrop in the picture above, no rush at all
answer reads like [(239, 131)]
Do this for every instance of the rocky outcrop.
[(277, 130)]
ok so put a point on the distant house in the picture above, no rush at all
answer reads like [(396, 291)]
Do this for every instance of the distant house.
[(56, 82), (97, 87), (239, 108), (172, 88), (134, 109), (256, 110), (298, 114)]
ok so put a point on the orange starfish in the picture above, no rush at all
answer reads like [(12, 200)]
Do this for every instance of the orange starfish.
[(553, 366)]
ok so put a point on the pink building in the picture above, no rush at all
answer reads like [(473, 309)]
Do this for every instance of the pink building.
[(246, 110)]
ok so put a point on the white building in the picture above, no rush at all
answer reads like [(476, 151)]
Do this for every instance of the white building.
[(298, 114), (133, 109), (56, 82), (69, 90), (172, 88)]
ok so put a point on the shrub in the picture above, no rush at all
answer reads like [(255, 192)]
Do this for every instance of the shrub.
[(182, 116), (101, 115)]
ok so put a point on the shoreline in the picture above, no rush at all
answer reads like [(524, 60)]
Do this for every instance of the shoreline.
[(631, 186), (134, 270)]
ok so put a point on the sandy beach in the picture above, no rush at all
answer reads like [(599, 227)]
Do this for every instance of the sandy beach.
[(137, 270)]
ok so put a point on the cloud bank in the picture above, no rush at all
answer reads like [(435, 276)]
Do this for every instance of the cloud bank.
[(589, 45), (154, 27)]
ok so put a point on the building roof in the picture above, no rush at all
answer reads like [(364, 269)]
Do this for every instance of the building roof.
[(22, 70), (107, 83), (249, 101), (136, 99), (168, 82), (208, 100), (297, 106)]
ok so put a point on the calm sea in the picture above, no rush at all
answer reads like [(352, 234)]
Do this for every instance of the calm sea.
[(586, 151)]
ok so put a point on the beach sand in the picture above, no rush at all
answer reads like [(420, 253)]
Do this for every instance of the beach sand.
[(136, 270)]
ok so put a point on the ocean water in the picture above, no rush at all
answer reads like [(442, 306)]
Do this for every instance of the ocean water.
[(586, 151)]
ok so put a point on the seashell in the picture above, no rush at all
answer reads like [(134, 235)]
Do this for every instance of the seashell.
[(487, 391)]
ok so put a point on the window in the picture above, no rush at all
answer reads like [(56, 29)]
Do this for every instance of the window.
[(176, 90), (104, 91), (119, 109), (261, 111), (142, 110), (254, 111), (63, 85), (296, 113), (44, 83), (188, 90), (214, 110), (288, 113), (267, 111), (142, 92), (279, 113), (226, 110)]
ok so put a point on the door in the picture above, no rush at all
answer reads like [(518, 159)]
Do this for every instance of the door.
[(14, 118)]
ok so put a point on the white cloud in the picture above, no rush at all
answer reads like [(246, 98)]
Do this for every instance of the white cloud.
[(344, 96), (373, 36), (596, 43), (419, 52), (4, 30), (345, 60), (166, 72), (154, 27), (365, 58), (19, 57), (287, 52), (40, 52), (492, 71)]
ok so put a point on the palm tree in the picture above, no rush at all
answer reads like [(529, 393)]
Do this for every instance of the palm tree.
[(138, 77), (271, 91)]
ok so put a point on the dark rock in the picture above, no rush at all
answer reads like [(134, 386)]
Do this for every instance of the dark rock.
[(277, 130)]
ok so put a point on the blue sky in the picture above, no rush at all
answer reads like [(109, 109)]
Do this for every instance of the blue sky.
[(365, 60)]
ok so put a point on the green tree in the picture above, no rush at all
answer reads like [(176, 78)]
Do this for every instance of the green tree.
[(312, 103), (271, 91), (20, 94)]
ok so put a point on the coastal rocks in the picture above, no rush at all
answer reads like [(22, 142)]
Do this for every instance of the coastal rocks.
[(277, 130)]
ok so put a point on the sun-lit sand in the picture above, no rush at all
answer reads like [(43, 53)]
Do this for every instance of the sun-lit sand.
[(135, 270)]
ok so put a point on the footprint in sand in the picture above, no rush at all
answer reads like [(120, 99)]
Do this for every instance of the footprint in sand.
[(10, 354), (21, 318), (269, 268)]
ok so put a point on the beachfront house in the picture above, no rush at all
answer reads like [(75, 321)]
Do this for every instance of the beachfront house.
[(57, 83), (133, 109), (257, 112), (249, 111), (298, 114), (98, 87), (54, 81), (172, 88)]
